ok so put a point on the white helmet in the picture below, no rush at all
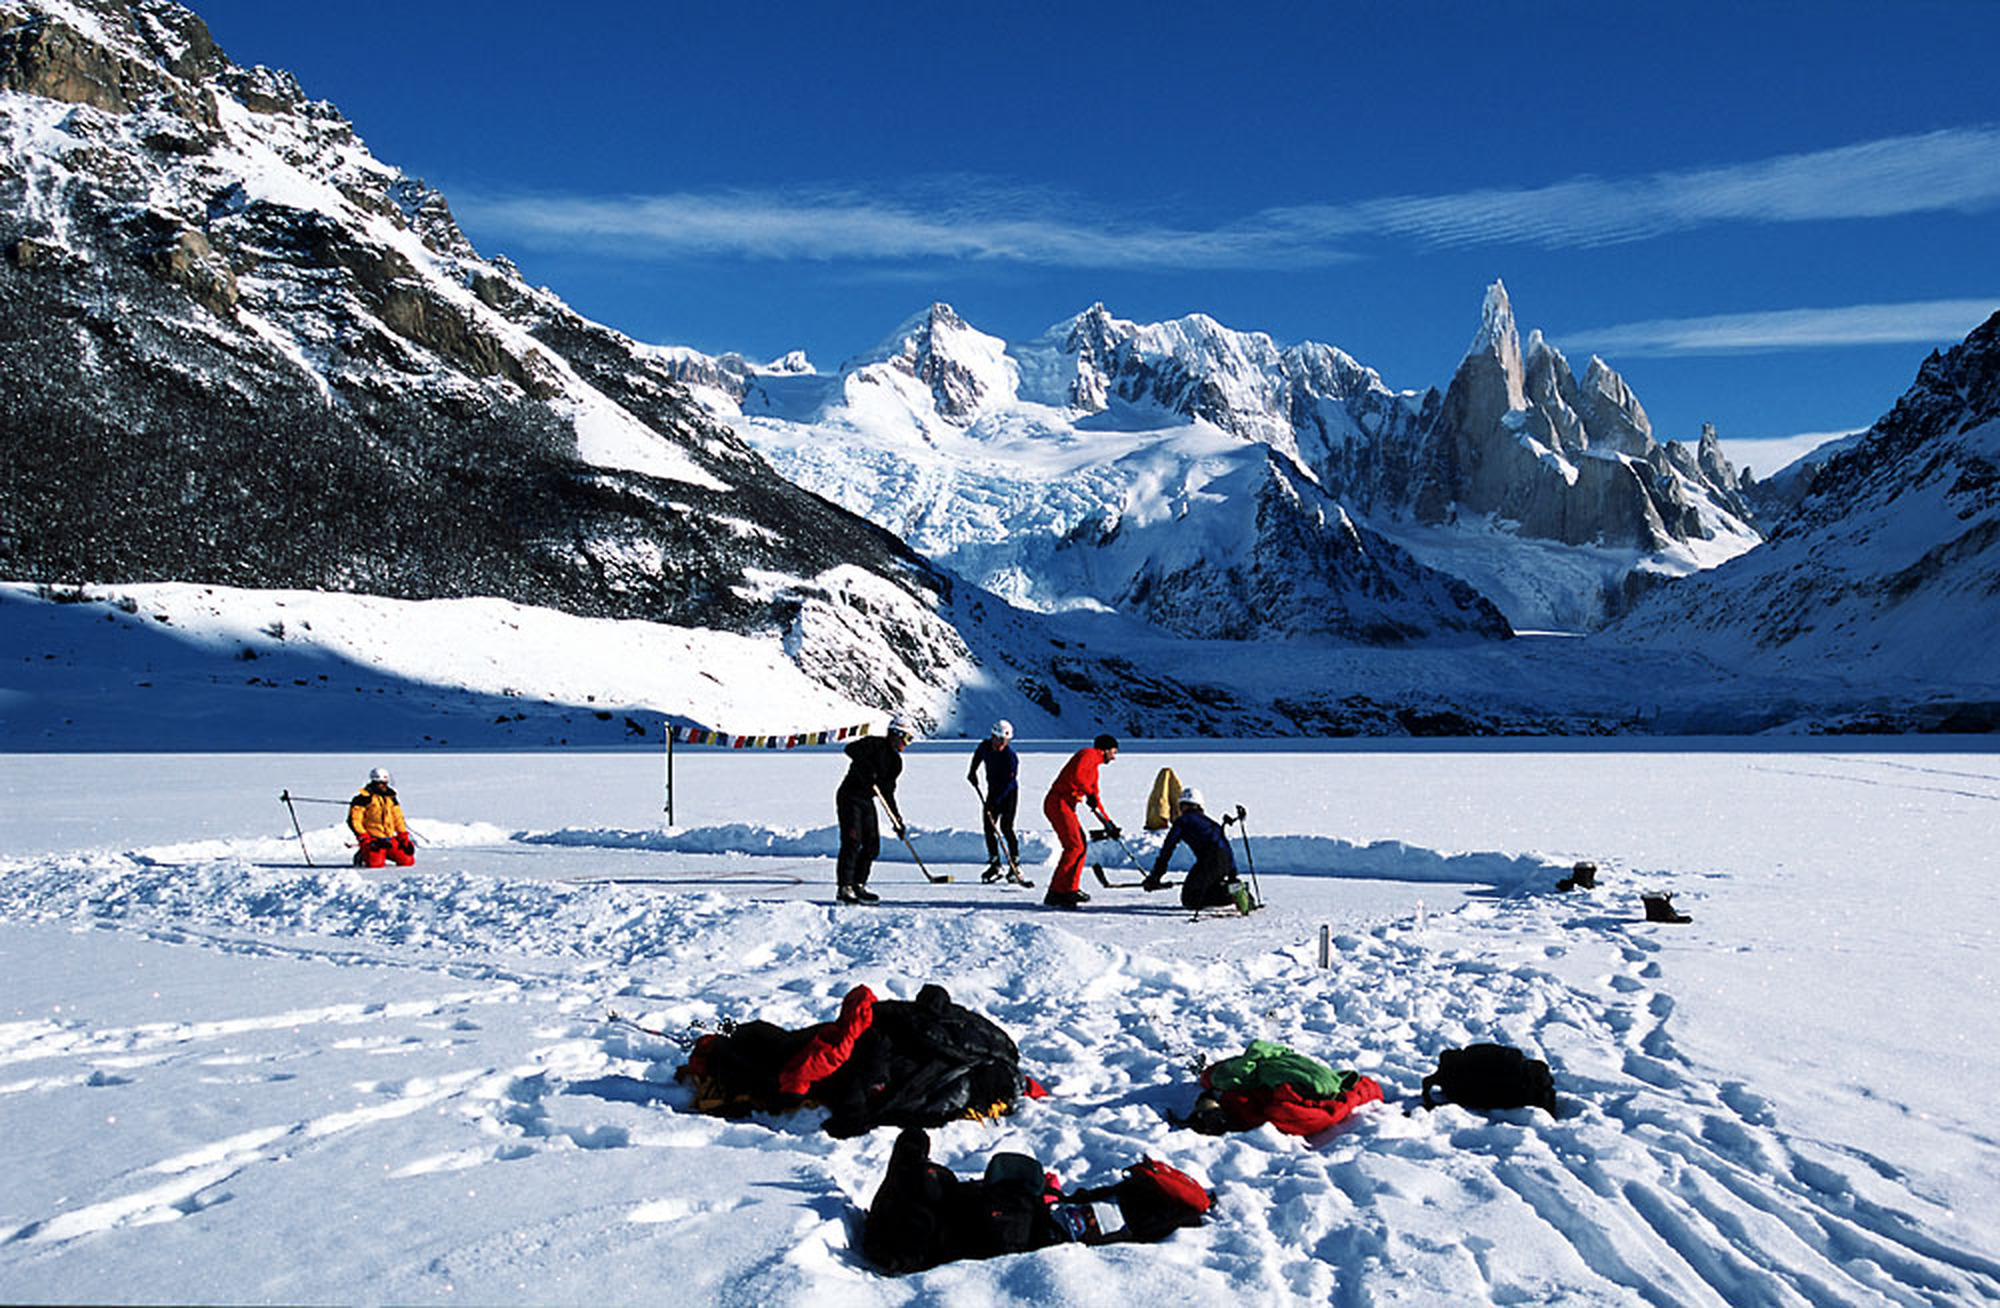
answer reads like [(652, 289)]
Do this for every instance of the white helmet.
[(1003, 730), (1190, 797), (900, 726), (378, 774)]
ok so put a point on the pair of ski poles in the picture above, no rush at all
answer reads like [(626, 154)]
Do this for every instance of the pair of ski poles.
[(1249, 863)]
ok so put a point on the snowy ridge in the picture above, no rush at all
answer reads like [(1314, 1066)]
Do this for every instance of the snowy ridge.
[(1276, 853), (1890, 566)]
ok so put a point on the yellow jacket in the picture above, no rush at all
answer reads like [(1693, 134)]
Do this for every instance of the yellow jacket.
[(375, 815)]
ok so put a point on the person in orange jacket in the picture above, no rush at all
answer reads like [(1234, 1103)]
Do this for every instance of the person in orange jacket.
[(1076, 782), (376, 819)]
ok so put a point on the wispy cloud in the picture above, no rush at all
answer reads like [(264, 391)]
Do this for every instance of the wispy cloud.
[(1956, 169), (1788, 329), (975, 220)]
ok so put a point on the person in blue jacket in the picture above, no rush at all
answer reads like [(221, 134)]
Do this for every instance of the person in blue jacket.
[(1210, 883), (1001, 797)]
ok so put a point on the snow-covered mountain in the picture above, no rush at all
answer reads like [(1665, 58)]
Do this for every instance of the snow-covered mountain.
[(1890, 566), (1090, 465), (979, 455), (236, 348)]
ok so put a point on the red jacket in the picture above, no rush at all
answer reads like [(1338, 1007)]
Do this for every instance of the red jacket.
[(1078, 779)]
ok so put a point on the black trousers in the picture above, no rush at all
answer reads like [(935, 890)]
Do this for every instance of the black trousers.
[(1207, 884), (860, 838), (1000, 822)]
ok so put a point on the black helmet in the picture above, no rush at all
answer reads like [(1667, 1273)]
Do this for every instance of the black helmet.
[(1106, 742)]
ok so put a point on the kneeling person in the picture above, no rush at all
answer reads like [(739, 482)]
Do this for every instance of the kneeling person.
[(1213, 876), (375, 817)]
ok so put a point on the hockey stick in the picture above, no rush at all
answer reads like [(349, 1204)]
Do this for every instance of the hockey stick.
[(1098, 868), (903, 835), (999, 837)]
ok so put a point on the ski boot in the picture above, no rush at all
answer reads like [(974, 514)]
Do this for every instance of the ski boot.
[(1581, 877), (1660, 908)]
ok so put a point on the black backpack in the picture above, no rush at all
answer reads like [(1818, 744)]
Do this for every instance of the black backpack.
[(1487, 1076), (924, 1215)]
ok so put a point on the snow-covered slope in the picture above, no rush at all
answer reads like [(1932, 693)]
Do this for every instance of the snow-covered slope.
[(1890, 567), (1027, 466), (237, 348)]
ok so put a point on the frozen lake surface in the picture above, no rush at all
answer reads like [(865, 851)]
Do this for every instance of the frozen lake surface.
[(231, 1077)]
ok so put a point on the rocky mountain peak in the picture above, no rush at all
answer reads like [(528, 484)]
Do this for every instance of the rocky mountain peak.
[(963, 368), (1500, 340), (1612, 414)]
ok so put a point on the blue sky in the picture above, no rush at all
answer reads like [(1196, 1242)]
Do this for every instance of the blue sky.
[(1764, 215)]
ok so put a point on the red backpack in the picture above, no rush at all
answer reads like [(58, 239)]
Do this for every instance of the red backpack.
[(1155, 1200)]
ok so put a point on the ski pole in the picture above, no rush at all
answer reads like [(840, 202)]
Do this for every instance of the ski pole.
[(1248, 861), (903, 835), (286, 796)]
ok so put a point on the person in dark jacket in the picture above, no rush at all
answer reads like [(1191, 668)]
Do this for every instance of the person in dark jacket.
[(1001, 797), (874, 763), (1210, 882)]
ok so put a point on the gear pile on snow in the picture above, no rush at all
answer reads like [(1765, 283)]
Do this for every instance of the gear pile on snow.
[(924, 1215), (1269, 1082), (882, 1062)]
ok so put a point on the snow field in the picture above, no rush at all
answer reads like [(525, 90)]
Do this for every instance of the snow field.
[(412, 1085)]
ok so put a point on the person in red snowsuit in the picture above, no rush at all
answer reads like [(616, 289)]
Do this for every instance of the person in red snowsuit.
[(1076, 782)]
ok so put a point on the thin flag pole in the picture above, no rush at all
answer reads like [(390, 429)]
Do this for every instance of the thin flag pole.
[(668, 727)]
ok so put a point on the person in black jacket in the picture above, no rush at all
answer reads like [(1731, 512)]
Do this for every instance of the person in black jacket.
[(874, 763), (1002, 797), (1209, 883)]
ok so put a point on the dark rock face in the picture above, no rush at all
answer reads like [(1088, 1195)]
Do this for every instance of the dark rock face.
[(202, 380)]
